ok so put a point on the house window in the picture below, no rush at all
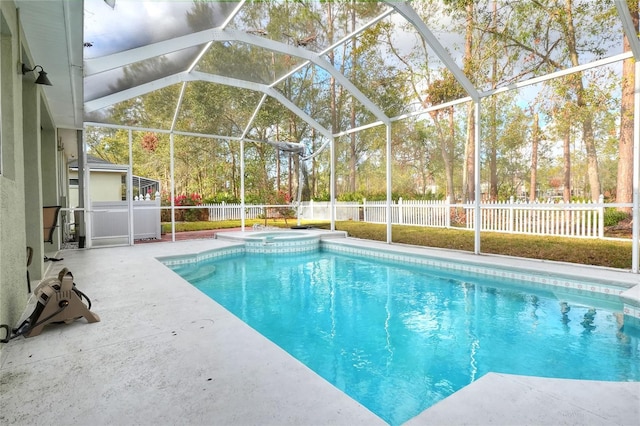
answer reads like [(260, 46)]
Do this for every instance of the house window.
[(74, 182)]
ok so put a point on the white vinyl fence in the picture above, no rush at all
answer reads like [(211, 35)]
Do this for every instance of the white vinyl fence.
[(233, 211), (110, 221), (559, 219), (578, 219)]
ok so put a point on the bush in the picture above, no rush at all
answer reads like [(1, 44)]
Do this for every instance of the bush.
[(612, 216), (188, 215), (222, 197)]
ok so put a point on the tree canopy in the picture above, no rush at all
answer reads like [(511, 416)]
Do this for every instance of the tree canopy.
[(556, 138)]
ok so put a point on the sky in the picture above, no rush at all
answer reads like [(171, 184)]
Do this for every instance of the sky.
[(111, 30)]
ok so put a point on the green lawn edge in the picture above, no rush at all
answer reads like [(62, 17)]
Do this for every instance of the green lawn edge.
[(585, 251)]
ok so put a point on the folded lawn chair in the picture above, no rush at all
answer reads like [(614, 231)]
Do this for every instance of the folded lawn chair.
[(29, 259), (50, 222)]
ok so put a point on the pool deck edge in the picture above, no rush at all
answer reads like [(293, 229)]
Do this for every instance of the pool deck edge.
[(164, 353), (504, 399)]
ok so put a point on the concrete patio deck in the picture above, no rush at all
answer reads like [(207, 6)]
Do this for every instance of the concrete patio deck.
[(164, 353)]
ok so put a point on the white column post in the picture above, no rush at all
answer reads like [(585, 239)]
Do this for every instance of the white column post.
[(635, 230), (243, 213), (389, 188), (332, 184), (130, 189), (476, 177), (173, 187)]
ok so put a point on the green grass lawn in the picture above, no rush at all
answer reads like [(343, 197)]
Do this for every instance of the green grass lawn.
[(614, 254)]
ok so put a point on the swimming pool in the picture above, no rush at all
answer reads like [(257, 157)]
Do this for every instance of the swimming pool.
[(398, 338)]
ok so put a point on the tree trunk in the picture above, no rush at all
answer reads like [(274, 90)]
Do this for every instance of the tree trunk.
[(235, 190), (353, 151), (469, 169), (535, 136), (587, 120), (446, 156), (451, 143), (293, 169), (332, 88), (566, 190), (470, 149), (493, 138), (624, 186)]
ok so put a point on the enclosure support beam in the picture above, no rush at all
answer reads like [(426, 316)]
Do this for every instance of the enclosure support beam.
[(635, 230), (243, 214), (412, 17), (332, 183), (176, 114), (628, 27), (228, 81), (389, 187), (121, 59), (173, 189), (477, 212), (130, 190)]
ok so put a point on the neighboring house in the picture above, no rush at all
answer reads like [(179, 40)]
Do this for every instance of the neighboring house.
[(107, 181)]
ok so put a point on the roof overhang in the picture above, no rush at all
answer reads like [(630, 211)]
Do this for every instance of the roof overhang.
[(52, 31)]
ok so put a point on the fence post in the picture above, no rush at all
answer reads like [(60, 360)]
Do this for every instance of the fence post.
[(601, 216), (511, 214), (364, 210), (400, 220), (447, 206), (311, 208)]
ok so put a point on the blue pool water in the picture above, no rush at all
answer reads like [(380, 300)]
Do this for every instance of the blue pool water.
[(400, 338)]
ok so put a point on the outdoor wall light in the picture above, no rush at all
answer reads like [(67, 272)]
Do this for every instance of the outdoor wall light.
[(42, 75)]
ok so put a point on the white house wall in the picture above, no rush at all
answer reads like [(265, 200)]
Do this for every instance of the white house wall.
[(30, 169), (13, 287)]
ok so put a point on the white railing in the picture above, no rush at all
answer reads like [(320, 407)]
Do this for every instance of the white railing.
[(576, 219)]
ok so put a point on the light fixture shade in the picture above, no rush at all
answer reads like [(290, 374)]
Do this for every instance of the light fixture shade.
[(42, 75), (43, 79)]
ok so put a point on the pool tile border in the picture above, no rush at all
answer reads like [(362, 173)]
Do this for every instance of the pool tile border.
[(477, 269), (216, 253), (631, 306), (286, 246)]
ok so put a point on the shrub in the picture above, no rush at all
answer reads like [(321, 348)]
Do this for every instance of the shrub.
[(612, 216), (188, 215), (222, 197)]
